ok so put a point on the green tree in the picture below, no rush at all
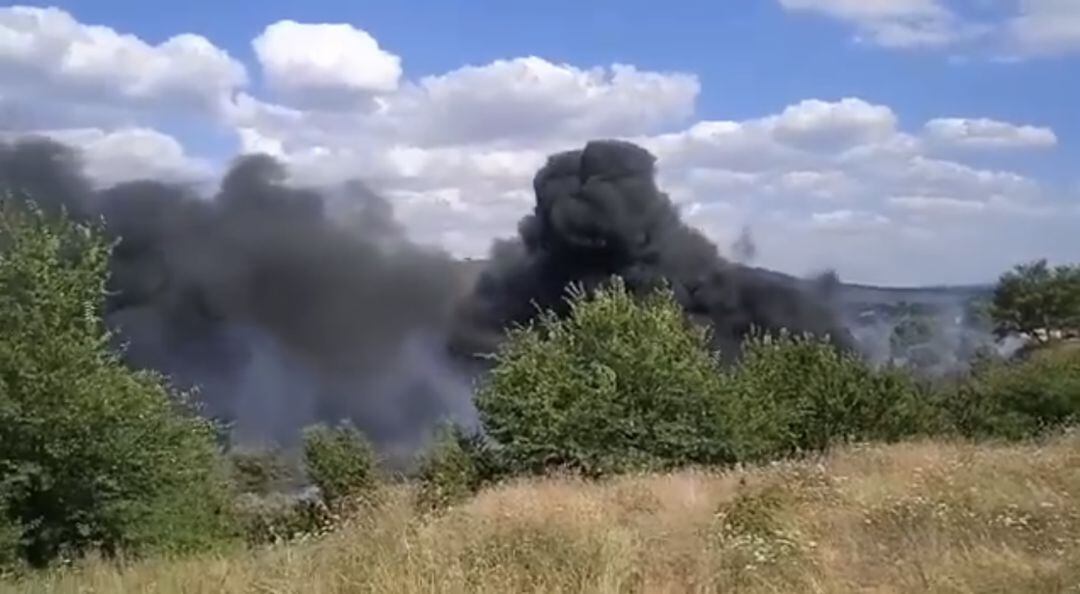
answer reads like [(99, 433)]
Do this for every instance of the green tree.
[(340, 461), (620, 383), (911, 341), (794, 394), (93, 455), (451, 469), (1020, 398), (1035, 299), (10, 534)]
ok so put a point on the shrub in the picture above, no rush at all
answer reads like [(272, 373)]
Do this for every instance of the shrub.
[(10, 535), (792, 394), (260, 471), (1018, 399), (341, 463), (1037, 300), (280, 517), (94, 455), (619, 384), (456, 465)]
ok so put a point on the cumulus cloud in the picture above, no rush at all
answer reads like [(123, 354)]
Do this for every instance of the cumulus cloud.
[(1021, 29), (894, 23), (985, 133), (785, 140), (533, 99), (501, 105), (847, 220), (47, 56), (937, 204), (822, 185), (822, 124), (127, 154), (313, 63), (1045, 27)]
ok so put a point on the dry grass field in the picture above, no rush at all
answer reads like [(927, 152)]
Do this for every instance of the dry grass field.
[(919, 517)]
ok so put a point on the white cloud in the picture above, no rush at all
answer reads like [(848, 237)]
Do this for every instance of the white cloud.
[(830, 125), (937, 204), (793, 139), (847, 221), (1022, 29), (533, 99), (46, 55), (130, 154), (1046, 27), (821, 185), (315, 63), (987, 134), (949, 177), (894, 23), (507, 103), (747, 146)]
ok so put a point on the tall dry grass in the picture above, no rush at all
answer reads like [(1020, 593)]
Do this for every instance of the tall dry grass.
[(920, 517)]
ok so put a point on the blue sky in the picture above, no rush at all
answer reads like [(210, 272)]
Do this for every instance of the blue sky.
[(889, 201)]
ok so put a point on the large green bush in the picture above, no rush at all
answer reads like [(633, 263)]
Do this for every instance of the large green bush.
[(627, 383), (262, 471), (620, 383), (341, 462), (455, 466), (1018, 399), (1036, 299), (10, 534), (447, 474), (93, 455), (791, 394)]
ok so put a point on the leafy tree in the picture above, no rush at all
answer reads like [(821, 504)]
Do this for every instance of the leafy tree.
[(1018, 399), (93, 455), (1035, 299), (794, 394), (452, 469), (10, 534), (911, 341), (261, 471), (620, 383), (340, 461)]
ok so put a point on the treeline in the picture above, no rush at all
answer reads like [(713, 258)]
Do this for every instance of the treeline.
[(95, 457)]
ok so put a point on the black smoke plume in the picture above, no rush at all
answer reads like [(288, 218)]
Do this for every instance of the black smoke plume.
[(283, 313), (599, 213), (278, 312)]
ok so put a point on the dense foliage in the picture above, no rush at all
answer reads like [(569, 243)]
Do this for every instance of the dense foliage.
[(94, 455), (340, 461), (1018, 399), (625, 383), (792, 394), (1038, 300), (99, 457), (618, 384), (454, 467)]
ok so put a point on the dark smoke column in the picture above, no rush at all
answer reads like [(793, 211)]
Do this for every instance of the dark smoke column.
[(280, 313), (599, 213)]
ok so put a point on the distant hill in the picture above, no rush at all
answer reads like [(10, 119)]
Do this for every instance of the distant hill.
[(847, 294), (857, 293)]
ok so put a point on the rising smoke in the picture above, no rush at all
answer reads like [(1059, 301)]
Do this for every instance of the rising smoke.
[(599, 213), (280, 314), (284, 314)]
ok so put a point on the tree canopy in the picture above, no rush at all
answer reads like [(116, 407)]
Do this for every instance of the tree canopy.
[(1037, 300), (95, 455)]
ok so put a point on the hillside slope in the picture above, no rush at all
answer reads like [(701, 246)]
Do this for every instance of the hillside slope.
[(845, 295), (922, 517)]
